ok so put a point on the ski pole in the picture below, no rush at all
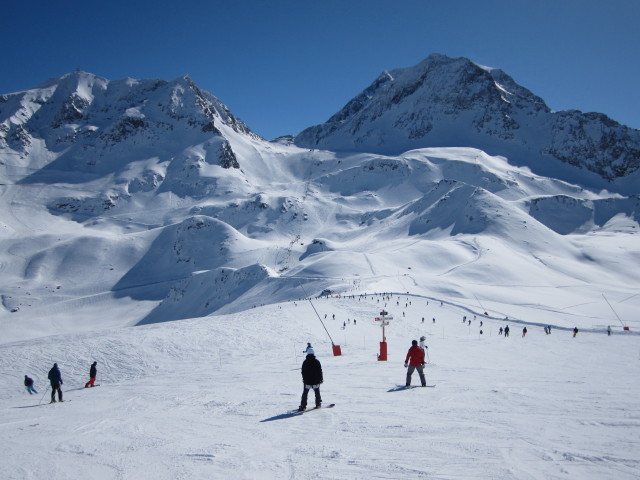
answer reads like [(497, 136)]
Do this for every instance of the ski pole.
[(427, 352), (45, 392)]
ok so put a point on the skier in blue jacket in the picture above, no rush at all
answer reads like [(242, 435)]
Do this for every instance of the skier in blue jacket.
[(55, 377)]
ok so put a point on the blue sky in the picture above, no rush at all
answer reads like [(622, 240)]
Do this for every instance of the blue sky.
[(282, 66)]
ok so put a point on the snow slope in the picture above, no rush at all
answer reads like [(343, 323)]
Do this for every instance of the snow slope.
[(144, 226), (208, 398), (149, 200)]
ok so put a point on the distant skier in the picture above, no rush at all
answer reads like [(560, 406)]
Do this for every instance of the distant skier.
[(524, 332), (55, 377), (415, 361), (575, 332), (609, 330), (308, 349), (92, 375), (311, 378), (506, 331), (500, 331), (28, 383)]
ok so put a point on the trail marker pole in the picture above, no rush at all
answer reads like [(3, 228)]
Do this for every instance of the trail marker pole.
[(384, 321)]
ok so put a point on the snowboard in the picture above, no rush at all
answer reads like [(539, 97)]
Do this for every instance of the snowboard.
[(331, 405), (397, 388)]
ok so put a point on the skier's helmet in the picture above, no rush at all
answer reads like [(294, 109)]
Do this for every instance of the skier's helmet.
[(423, 338), (414, 342)]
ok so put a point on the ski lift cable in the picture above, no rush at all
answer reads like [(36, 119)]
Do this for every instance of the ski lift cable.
[(605, 299), (314, 309)]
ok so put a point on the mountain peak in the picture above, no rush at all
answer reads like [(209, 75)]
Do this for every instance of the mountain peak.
[(75, 81), (444, 102), (118, 122)]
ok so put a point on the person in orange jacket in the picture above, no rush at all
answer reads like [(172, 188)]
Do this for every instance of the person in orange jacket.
[(415, 361)]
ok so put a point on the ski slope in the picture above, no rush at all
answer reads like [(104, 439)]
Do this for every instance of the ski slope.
[(145, 227), (208, 398)]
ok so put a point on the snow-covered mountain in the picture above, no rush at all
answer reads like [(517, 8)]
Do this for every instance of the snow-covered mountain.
[(150, 198), (443, 102), (137, 202), (83, 126)]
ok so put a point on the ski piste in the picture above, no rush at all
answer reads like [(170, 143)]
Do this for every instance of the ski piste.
[(331, 405)]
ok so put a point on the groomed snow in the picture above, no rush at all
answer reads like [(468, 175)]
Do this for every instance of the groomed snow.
[(208, 398)]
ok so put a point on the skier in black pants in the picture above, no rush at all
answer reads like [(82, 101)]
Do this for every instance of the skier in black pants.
[(55, 377), (312, 378)]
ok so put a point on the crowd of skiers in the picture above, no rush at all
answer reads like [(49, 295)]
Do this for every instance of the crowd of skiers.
[(414, 361), (55, 381), (311, 368)]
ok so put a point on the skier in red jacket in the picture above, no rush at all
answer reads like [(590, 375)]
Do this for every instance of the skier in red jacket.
[(415, 361)]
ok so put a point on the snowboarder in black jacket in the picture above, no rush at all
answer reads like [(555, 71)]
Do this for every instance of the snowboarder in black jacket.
[(55, 377), (93, 371), (311, 378)]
